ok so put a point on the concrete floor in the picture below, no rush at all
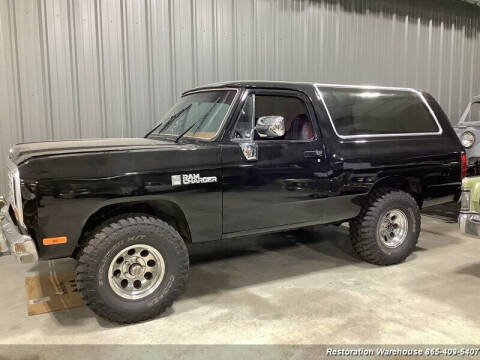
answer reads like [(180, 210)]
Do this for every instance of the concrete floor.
[(301, 287)]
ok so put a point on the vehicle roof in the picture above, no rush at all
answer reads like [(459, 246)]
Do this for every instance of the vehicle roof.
[(254, 84), (295, 85)]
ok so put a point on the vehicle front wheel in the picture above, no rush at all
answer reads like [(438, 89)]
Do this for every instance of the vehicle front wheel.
[(132, 269), (386, 230)]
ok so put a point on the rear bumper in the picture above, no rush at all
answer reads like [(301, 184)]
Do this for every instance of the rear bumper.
[(469, 223), (12, 241)]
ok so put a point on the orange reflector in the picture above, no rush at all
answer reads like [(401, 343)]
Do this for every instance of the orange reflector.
[(55, 240)]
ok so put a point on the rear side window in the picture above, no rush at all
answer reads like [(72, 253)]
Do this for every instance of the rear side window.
[(360, 111)]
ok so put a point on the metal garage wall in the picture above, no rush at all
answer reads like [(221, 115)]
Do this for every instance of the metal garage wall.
[(94, 68)]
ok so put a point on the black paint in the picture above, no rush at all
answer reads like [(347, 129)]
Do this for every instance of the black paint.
[(284, 189)]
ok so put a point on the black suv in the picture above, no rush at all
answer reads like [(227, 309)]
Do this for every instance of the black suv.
[(229, 160)]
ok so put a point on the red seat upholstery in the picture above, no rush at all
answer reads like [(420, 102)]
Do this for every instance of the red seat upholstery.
[(300, 129)]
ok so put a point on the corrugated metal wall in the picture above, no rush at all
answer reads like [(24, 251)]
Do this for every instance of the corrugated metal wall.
[(95, 68)]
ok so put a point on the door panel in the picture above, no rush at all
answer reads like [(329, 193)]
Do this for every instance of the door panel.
[(287, 184), (282, 187)]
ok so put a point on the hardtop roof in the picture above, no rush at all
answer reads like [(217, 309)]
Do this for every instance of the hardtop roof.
[(254, 84), (292, 85)]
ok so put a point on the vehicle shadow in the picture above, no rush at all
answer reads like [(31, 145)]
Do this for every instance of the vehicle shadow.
[(447, 212), (232, 264), (472, 270), (240, 262), (236, 263)]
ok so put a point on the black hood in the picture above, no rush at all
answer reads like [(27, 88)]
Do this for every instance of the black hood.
[(25, 151)]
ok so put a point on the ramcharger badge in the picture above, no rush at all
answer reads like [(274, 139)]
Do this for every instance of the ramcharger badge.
[(188, 179)]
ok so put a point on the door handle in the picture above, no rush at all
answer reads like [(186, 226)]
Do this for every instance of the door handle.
[(313, 154)]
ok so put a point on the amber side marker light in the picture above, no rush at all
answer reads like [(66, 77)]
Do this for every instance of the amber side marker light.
[(55, 240)]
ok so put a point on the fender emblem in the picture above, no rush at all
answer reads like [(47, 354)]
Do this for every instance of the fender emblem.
[(188, 179)]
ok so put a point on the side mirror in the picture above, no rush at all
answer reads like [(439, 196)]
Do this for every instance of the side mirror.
[(270, 126)]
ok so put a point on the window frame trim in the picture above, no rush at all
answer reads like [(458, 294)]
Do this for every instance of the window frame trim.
[(318, 91)]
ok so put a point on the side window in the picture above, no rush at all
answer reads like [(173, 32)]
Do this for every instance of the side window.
[(358, 111), (298, 125)]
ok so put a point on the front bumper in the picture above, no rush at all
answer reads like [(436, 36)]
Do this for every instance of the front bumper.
[(12, 241), (469, 223)]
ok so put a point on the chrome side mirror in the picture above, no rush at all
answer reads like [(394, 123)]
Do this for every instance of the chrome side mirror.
[(270, 126)]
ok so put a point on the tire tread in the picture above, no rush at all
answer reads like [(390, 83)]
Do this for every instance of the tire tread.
[(86, 273), (363, 227)]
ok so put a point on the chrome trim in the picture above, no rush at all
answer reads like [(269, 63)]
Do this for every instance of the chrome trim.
[(16, 202), (254, 109), (393, 228), (13, 241), (249, 150), (468, 225), (317, 87), (462, 222), (136, 271), (473, 142)]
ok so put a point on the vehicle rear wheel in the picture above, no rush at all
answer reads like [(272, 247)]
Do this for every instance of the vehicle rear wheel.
[(132, 269), (386, 230)]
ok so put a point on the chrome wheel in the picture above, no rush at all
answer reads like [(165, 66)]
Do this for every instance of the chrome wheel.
[(393, 228), (136, 271)]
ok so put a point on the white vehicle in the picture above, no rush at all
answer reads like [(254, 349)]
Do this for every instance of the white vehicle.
[(468, 130)]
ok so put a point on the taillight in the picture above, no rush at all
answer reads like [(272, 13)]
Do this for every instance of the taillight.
[(464, 165)]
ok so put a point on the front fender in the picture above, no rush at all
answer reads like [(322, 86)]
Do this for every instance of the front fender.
[(199, 205)]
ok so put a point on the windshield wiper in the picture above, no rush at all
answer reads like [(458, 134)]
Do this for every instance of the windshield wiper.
[(169, 121), (199, 122)]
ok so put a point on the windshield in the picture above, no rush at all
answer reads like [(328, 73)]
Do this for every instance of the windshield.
[(198, 115), (474, 115)]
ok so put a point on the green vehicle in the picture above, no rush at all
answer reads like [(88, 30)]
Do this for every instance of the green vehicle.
[(469, 217)]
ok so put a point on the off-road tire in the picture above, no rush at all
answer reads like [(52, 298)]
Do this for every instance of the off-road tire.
[(120, 233), (363, 229)]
